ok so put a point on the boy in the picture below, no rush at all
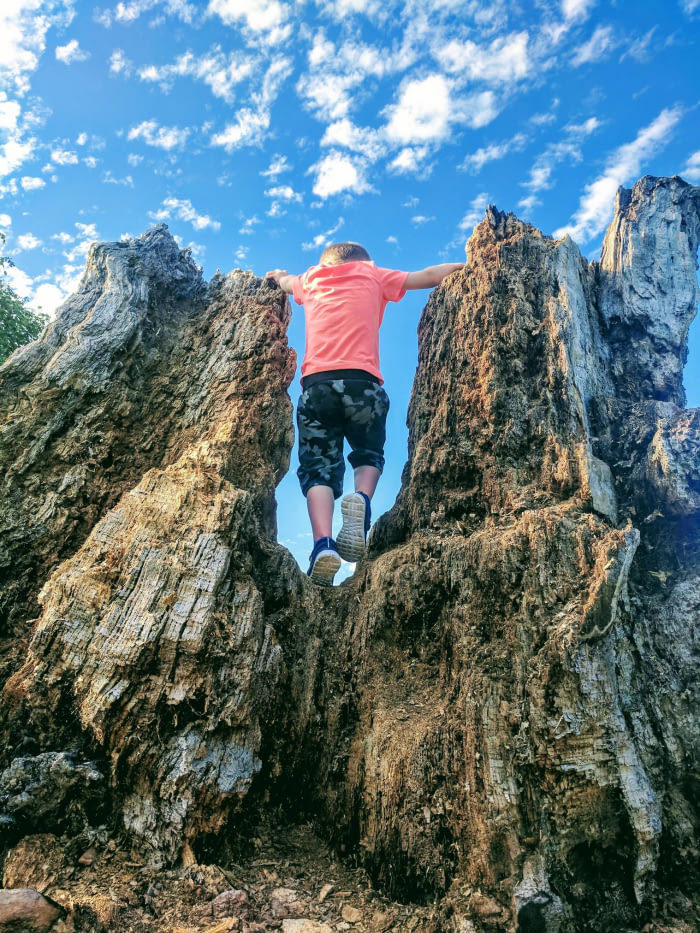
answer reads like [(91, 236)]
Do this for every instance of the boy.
[(344, 297)]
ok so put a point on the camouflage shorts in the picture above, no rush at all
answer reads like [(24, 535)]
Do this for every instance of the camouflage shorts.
[(327, 413)]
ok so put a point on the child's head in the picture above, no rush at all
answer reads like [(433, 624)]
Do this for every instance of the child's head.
[(339, 253)]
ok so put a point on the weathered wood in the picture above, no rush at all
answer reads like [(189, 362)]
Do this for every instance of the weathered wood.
[(497, 710)]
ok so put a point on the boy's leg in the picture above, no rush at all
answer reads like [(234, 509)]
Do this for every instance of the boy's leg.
[(366, 407), (366, 479), (321, 468), (319, 501)]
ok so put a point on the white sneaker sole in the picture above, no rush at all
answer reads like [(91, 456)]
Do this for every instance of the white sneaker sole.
[(325, 567), (351, 537)]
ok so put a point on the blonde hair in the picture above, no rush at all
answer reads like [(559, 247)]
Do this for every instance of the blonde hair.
[(339, 253)]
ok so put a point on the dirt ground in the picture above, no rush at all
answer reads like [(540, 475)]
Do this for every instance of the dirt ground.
[(289, 877)]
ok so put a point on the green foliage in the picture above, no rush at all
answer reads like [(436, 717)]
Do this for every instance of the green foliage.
[(18, 323)]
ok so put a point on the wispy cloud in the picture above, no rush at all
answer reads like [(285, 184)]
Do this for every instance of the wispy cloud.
[(128, 11), (601, 42), (278, 165), (221, 72), (251, 124), (596, 204), (119, 63), (365, 140), (567, 148), (162, 137), (475, 161), (321, 240), (183, 210)]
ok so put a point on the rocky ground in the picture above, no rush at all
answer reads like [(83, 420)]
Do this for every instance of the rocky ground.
[(288, 881)]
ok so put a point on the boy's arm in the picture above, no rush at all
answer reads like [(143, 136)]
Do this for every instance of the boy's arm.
[(432, 275), (283, 279)]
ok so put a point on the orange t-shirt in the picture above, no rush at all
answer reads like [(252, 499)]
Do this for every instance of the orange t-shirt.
[(344, 307)]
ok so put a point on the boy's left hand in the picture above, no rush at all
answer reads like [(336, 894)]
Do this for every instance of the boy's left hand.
[(276, 274)]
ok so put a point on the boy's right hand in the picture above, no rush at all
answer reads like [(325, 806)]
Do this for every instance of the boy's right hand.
[(283, 279)]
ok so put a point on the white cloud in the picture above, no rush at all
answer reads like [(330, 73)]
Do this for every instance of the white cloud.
[(568, 148), (337, 79), (119, 63), (64, 156), (422, 113), (219, 71), (109, 179), (249, 129), (473, 216), (30, 184), (475, 161), (163, 137), (691, 170), (26, 241), (259, 16), (134, 159), (183, 210), (249, 225), (359, 139), (5, 221), (277, 166), (601, 42), (63, 237), (341, 9), (71, 52), (336, 173), (10, 111), (23, 28), (690, 6), (128, 11), (17, 147), (596, 204), (504, 61), (283, 193), (426, 109), (252, 123), (329, 96), (410, 161), (421, 219), (321, 240), (576, 9), (638, 49), (16, 152), (475, 213)]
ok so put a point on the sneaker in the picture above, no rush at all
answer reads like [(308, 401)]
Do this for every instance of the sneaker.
[(352, 536), (325, 562)]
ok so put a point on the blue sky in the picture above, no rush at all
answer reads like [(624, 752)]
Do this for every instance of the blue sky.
[(261, 130)]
